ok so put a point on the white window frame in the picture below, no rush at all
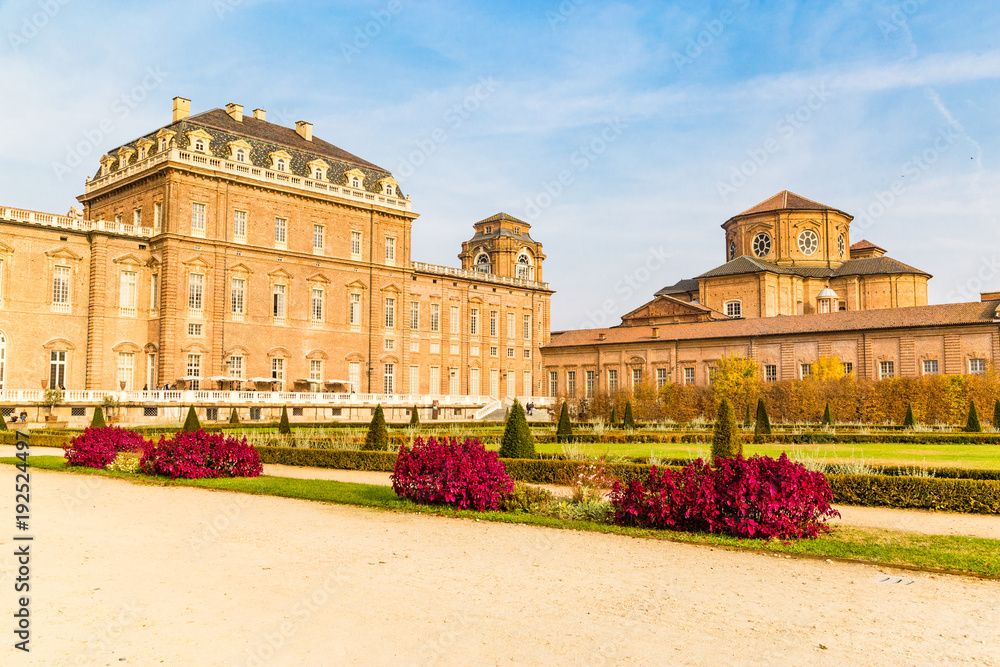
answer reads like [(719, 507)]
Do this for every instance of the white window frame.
[(62, 277), (240, 226), (473, 321), (196, 293), (689, 375), (977, 366), (553, 383), (234, 366), (388, 377), (734, 308), (356, 238), (126, 369), (128, 292), (770, 372), (280, 232), (930, 366), (317, 304), (319, 239), (237, 298), (316, 370), (886, 370), (435, 318), (390, 312), (279, 303), (58, 364), (354, 310), (390, 250), (199, 216), (414, 315), (454, 319), (805, 371), (612, 379)]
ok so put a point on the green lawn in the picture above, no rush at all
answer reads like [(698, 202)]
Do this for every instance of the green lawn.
[(955, 553), (913, 455)]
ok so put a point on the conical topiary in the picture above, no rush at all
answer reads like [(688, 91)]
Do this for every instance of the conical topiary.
[(628, 423), (98, 420), (909, 421), (564, 432), (996, 415), (763, 426), (614, 416), (284, 426), (517, 442), (827, 417), (748, 418), (726, 441), (414, 417), (191, 423), (377, 438), (3, 421), (234, 417), (972, 424)]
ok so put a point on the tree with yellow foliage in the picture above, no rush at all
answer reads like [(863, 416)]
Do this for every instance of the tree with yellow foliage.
[(828, 368), (736, 378)]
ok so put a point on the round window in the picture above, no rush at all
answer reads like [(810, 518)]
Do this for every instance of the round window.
[(841, 246), (732, 250), (808, 242), (762, 245)]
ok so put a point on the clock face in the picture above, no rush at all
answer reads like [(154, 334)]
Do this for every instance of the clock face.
[(808, 242), (762, 245), (732, 250), (841, 246)]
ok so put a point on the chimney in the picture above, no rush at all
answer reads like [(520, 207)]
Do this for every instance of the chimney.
[(602, 336), (235, 111), (182, 108), (989, 296), (259, 114), (304, 129), (656, 332)]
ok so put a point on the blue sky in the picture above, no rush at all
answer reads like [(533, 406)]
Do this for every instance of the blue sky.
[(661, 120)]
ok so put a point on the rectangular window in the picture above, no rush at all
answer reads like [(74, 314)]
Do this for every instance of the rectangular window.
[(127, 289), (930, 366), (193, 369), (390, 250), (280, 232), (493, 323), (354, 375), (494, 351), (126, 369), (435, 348), (473, 321), (805, 371), (197, 219), (454, 348), (526, 327), (390, 312), (389, 345), (317, 304), (57, 369), (154, 291), (689, 375), (494, 382), (591, 378), (553, 383), (511, 384), (240, 226), (886, 369), (354, 310), (234, 366), (612, 379), (712, 370), (474, 350), (137, 217), (510, 353), (571, 383), (770, 373), (414, 346), (414, 380), (848, 368), (319, 238), (157, 216), (734, 309), (278, 306), (453, 385), (636, 376), (151, 371), (435, 317), (526, 378), (453, 319), (355, 245), (661, 377), (278, 371), (195, 329), (414, 315), (60, 289), (474, 382), (977, 366), (510, 325), (527, 353), (316, 370), (237, 299), (435, 380), (196, 292)]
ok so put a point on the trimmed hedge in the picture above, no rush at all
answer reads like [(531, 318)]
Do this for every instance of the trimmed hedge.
[(343, 459)]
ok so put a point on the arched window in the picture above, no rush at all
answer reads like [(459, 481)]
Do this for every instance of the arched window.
[(355, 182), (318, 175), (388, 190), (241, 155), (279, 164), (199, 146), (3, 362), (483, 263), (524, 268)]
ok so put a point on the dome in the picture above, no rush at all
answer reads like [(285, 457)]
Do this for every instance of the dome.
[(827, 293)]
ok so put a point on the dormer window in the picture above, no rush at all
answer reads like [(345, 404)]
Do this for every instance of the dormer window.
[(355, 182), (281, 161), (517, 230), (387, 185), (355, 178), (163, 144), (388, 190), (199, 145), (317, 169), (488, 230), (241, 155), (318, 175), (279, 164)]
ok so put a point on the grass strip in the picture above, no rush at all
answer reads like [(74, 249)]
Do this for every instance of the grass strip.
[(949, 553)]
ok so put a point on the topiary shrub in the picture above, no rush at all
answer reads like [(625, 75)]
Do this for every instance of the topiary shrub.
[(284, 427), (414, 417), (758, 497), (234, 417), (461, 474), (748, 418), (377, 439), (909, 421), (614, 416), (517, 441), (996, 415), (972, 424), (628, 423), (191, 424), (827, 416), (762, 429), (98, 446), (726, 441), (564, 431), (199, 455), (3, 421), (98, 419)]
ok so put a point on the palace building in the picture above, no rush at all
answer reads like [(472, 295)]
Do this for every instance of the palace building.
[(222, 251), (794, 288)]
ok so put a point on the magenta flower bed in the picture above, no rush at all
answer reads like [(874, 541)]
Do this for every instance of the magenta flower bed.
[(462, 474), (97, 447), (759, 497), (198, 455)]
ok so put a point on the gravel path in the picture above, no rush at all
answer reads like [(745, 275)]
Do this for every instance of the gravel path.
[(143, 575)]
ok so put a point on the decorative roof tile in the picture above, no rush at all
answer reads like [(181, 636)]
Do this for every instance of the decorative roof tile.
[(865, 266)]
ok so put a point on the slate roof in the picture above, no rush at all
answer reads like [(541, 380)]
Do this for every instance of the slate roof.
[(949, 314), (865, 266), (502, 231), (788, 200), (680, 287)]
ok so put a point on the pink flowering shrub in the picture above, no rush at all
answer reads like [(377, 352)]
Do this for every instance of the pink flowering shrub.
[(96, 447), (456, 473), (197, 455), (759, 497)]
